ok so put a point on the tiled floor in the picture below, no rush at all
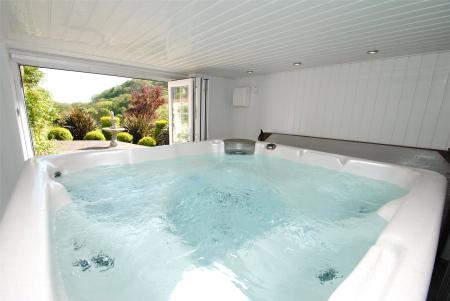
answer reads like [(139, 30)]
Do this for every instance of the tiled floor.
[(413, 157)]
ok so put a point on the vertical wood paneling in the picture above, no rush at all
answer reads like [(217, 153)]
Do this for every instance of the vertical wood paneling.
[(290, 101), (219, 108), (325, 101), (441, 135), (420, 99), (393, 99), (297, 101), (330, 103), (340, 98), (302, 101), (358, 109), (381, 100), (369, 103), (435, 98), (406, 101), (307, 104), (350, 98), (401, 101), (317, 79)]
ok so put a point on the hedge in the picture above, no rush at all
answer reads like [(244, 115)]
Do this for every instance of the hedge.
[(147, 141), (94, 135), (124, 137), (59, 134), (105, 121)]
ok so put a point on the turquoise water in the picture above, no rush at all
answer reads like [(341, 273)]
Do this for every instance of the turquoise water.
[(214, 227)]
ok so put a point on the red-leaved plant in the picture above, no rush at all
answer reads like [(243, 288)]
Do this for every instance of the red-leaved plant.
[(143, 105), (146, 101)]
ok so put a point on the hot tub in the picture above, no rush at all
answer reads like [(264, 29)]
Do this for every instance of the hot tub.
[(397, 266)]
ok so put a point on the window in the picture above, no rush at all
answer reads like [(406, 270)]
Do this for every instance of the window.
[(68, 110)]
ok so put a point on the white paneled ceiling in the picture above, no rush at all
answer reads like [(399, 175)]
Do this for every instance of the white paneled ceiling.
[(227, 38)]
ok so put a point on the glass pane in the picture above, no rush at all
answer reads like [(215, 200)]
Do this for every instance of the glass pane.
[(180, 114)]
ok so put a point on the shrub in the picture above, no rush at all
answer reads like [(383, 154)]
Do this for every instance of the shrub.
[(94, 135), (79, 123), (43, 147), (162, 132), (163, 137), (147, 141), (105, 121), (159, 125), (41, 109), (125, 137), (137, 126), (59, 134)]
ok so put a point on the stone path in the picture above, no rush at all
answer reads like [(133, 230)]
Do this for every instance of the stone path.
[(83, 145)]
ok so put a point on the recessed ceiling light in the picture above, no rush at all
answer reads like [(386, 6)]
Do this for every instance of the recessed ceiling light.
[(297, 64), (250, 71), (374, 51)]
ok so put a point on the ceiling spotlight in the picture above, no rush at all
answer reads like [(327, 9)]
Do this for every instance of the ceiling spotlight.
[(374, 51), (250, 71), (297, 64)]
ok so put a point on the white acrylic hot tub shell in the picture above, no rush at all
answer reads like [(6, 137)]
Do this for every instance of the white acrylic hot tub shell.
[(397, 267)]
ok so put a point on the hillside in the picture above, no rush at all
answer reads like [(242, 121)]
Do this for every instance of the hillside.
[(116, 99)]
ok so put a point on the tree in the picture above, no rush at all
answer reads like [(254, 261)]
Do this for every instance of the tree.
[(41, 109), (120, 103), (103, 108), (142, 112), (163, 112), (145, 102), (31, 76), (127, 88)]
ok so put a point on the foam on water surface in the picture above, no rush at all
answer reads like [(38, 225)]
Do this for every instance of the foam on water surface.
[(214, 227)]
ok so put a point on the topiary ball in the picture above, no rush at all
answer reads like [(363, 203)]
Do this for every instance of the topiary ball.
[(147, 141), (124, 137), (59, 134), (105, 121), (94, 135), (160, 124)]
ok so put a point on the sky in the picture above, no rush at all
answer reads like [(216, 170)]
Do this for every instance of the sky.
[(71, 86)]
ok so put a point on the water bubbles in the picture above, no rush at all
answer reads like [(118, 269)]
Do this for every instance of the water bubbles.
[(287, 231)]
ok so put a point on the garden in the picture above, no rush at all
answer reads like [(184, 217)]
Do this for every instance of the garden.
[(139, 106)]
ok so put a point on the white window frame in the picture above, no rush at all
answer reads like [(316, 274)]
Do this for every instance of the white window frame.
[(28, 58), (189, 82)]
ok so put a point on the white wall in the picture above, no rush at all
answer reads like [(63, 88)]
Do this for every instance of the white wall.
[(2, 138), (219, 107), (401, 101), (11, 154)]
